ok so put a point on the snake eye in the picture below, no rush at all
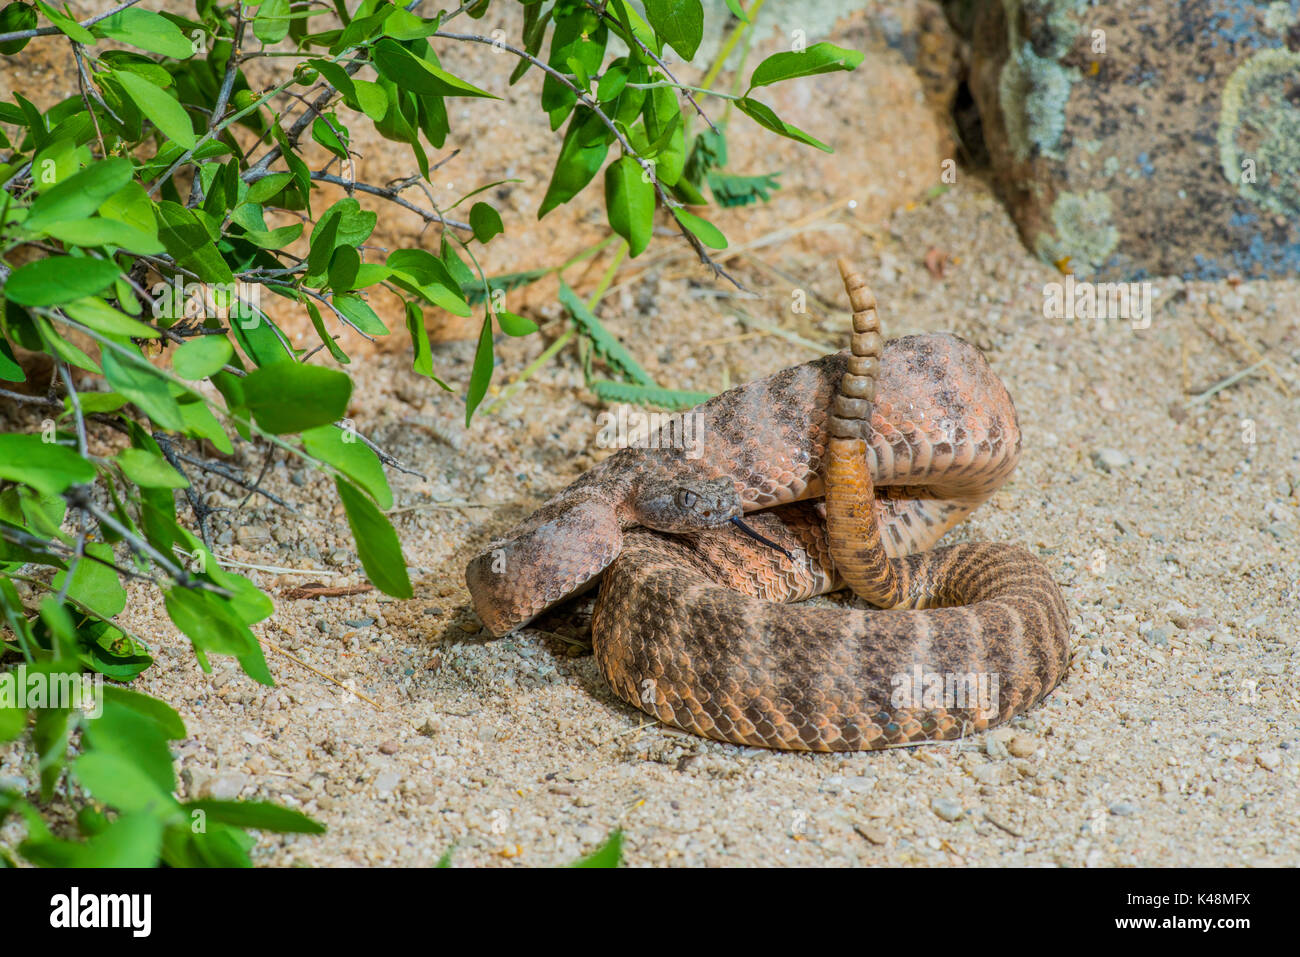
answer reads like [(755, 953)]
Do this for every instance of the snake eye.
[(686, 498)]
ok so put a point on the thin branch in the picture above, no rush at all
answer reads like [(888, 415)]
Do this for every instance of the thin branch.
[(51, 31), (646, 166), (599, 8), (385, 457), (391, 194)]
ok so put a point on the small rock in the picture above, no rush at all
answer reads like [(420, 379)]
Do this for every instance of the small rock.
[(253, 536), (872, 834), (358, 622), (389, 747), (1109, 459), (857, 785), (1123, 809), (387, 783), (1269, 760), (1158, 636), (1022, 746), (225, 787), (947, 808)]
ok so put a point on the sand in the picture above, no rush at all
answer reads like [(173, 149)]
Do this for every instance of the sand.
[(1170, 522)]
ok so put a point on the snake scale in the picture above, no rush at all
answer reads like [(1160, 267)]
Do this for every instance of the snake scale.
[(847, 469)]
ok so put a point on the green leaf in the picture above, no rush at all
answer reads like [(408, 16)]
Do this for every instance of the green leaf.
[(513, 325), (762, 114), (271, 25), (106, 232), (602, 338), (485, 221), (586, 142), (131, 840), (13, 721), (609, 854), (143, 385), (59, 279), (343, 450), (816, 59), (267, 187), (707, 233), (159, 712), (80, 195), (10, 370), (162, 110), (121, 783), (100, 316), (318, 323), (151, 471), (506, 282), (258, 815), (201, 357), (48, 468), (630, 203), (68, 26), (15, 18), (343, 268), (648, 394), (208, 622), (147, 31), (419, 75), (188, 242), (359, 311), (290, 397), (377, 544), (94, 583), (134, 736), (480, 376), (323, 238), (679, 22)]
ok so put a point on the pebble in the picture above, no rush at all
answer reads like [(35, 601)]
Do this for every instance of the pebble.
[(1269, 760), (1123, 808), (389, 747), (253, 536), (872, 834), (387, 782), (1109, 459), (1158, 636), (225, 787), (1022, 746), (947, 808)]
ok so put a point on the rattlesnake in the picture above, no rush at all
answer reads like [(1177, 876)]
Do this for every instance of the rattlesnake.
[(693, 623)]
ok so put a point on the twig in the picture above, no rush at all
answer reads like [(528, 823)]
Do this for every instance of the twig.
[(316, 671), (646, 166), (390, 194), (599, 8), (197, 505), (1219, 386), (386, 457), (51, 31), (324, 591)]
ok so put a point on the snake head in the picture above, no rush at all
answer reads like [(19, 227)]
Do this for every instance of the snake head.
[(679, 507)]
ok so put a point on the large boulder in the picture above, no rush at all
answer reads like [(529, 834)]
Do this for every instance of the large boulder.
[(1132, 139)]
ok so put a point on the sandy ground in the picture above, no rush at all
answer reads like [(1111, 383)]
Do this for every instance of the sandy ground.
[(1175, 739)]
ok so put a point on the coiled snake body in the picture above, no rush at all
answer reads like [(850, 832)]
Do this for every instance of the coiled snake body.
[(694, 622)]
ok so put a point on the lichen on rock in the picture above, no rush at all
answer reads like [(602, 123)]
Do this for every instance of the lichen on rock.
[(1259, 131), (1085, 233), (1033, 87)]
